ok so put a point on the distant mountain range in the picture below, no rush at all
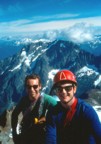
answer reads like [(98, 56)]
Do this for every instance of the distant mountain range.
[(46, 58)]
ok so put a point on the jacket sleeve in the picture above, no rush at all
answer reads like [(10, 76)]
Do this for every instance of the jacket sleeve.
[(49, 101), (94, 123), (50, 128)]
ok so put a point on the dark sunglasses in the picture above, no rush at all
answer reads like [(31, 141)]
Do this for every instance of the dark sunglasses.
[(67, 88), (34, 86)]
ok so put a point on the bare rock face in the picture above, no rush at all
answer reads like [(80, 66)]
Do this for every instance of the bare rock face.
[(3, 119), (5, 128)]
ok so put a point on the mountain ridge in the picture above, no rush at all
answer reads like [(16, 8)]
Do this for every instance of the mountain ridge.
[(46, 58)]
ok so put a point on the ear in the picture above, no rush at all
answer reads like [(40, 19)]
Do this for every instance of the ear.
[(40, 87), (75, 89)]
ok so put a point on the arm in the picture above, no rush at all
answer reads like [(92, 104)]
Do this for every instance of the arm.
[(95, 124), (49, 101), (50, 128)]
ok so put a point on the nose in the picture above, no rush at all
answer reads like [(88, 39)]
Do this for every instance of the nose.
[(63, 90), (32, 89)]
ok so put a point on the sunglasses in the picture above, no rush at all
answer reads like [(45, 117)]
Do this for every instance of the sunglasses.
[(34, 86), (67, 88)]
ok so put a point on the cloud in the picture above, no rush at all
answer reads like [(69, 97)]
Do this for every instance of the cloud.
[(51, 18), (28, 25), (81, 32)]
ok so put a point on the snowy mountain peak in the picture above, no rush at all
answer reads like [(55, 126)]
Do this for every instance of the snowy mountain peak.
[(45, 58)]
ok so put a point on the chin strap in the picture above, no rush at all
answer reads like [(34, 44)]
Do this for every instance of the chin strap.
[(70, 113)]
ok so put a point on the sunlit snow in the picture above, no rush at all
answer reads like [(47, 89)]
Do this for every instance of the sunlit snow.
[(98, 80), (52, 73), (15, 68), (87, 71), (98, 110)]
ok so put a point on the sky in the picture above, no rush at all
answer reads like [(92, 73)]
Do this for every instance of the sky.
[(17, 16)]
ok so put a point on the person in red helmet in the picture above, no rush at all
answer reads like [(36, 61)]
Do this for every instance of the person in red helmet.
[(72, 120)]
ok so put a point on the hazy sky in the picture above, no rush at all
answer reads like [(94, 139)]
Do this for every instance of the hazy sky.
[(39, 15)]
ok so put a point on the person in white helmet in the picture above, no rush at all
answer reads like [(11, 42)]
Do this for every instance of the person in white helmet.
[(71, 121)]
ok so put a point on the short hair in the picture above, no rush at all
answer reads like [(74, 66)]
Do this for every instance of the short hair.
[(33, 76)]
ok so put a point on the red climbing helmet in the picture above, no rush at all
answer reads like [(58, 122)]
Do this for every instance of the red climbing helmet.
[(64, 75)]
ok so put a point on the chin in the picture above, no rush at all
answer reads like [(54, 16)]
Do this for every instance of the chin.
[(65, 100), (32, 97)]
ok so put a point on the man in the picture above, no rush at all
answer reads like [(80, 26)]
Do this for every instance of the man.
[(34, 108), (71, 121)]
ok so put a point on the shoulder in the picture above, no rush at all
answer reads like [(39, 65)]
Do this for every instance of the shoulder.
[(55, 114), (22, 103), (86, 109), (49, 99), (24, 99), (46, 96), (84, 105), (56, 109)]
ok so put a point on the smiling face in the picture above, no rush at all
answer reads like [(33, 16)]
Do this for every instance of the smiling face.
[(65, 92), (33, 88)]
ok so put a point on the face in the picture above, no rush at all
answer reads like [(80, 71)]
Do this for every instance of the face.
[(66, 92), (33, 88)]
